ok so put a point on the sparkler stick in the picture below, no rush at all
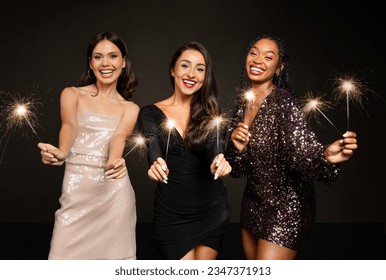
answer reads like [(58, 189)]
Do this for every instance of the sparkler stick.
[(216, 122), (170, 124)]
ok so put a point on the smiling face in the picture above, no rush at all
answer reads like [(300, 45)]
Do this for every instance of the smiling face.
[(189, 72), (107, 62), (262, 62)]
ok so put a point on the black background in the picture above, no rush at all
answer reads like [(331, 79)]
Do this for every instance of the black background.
[(43, 50)]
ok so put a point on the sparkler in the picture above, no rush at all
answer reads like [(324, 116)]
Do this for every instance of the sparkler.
[(138, 141), (17, 112), (349, 88), (215, 123), (249, 97), (170, 124), (313, 104)]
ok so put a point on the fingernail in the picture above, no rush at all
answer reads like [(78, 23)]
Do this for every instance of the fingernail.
[(345, 135), (165, 181), (249, 134), (165, 177), (341, 141), (246, 126), (215, 176), (164, 168)]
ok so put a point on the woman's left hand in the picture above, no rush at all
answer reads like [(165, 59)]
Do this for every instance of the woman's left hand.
[(343, 149)]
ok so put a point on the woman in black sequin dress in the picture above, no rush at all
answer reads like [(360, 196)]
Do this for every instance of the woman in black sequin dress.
[(272, 144), (190, 202)]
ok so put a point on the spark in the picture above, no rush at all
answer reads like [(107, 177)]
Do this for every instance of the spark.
[(169, 125), (136, 141), (316, 104)]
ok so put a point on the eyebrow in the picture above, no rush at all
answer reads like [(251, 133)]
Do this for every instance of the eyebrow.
[(188, 61), (266, 51)]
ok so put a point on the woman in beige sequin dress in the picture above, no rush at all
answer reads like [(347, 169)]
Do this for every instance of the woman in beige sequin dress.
[(97, 215)]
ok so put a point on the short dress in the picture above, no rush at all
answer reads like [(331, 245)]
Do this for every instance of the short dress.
[(97, 216), (281, 162), (192, 208)]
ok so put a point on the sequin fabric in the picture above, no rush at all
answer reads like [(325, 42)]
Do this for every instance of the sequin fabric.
[(281, 162), (97, 217)]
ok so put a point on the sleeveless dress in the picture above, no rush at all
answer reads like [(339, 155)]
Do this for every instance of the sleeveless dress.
[(282, 160), (192, 208), (97, 217)]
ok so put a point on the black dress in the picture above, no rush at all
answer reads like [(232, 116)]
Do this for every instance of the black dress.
[(192, 208)]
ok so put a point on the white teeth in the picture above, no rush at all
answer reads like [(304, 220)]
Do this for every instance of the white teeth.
[(189, 82), (106, 71), (256, 69)]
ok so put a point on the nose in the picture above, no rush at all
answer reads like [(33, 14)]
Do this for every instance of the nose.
[(105, 61), (190, 72)]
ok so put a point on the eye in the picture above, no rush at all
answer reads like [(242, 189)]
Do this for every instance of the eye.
[(97, 57), (268, 57), (184, 65), (201, 69), (114, 55)]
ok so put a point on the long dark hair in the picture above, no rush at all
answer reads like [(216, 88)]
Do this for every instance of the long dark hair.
[(204, 105), (281, 81), (127, 81)]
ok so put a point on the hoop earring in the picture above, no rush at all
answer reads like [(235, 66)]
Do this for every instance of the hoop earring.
[(91, 76), (124, 72)]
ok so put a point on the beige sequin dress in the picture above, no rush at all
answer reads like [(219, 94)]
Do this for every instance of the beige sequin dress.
[(97, 217)]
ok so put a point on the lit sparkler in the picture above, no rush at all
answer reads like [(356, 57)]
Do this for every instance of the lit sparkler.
[(136, 141), (216, 123), (170, 124), (349, 88), (249, 98), (17, 112), (317, 104)]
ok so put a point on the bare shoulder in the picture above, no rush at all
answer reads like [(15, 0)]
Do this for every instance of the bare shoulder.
[(130, 106)]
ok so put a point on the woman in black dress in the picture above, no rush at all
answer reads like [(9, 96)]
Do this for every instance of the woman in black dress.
[(187, 160)]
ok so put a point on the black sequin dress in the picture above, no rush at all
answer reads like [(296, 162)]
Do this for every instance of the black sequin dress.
[(282, 160), (192, 208)]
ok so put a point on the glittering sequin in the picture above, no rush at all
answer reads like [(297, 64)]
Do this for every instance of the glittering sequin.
[(97, 217), (282, 160)]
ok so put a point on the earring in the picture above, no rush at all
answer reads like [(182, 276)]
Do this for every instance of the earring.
[(124, 72), (91, 76)]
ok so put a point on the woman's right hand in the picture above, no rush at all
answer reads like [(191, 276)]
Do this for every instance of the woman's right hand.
[(159, 171), (240, 136), (51, 155)]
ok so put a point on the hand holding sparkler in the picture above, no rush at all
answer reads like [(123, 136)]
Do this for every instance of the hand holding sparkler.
[(240, 136), (159, 171), (220, 167), (343, 149), (51, 155)]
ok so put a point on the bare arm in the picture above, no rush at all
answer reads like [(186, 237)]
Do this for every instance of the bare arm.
[(68, 109), (115, 165)]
